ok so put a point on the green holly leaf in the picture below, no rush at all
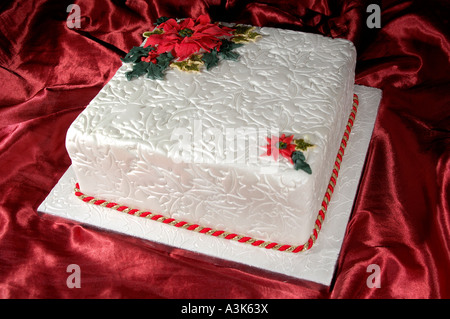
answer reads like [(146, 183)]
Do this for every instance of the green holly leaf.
[(164, 59), (303, 166), (229, 55), (211, 59), (298, 156), (299, 162), (139, 69), (136, 53), (155, 72), (228, 45), (161, 20)]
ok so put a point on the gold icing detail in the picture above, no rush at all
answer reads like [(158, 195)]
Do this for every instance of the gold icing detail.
[(155, 31), (301, 144), (264, 244), (173, 223), (238, 237), (316, 227), (244, 34), (291, 249), (185, 226), (319, 217), (192, 64), (197, 229)]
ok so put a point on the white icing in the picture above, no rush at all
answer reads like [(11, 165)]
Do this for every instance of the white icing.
[(161, 145)]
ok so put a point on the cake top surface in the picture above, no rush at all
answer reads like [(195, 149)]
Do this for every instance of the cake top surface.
[(286, 82)]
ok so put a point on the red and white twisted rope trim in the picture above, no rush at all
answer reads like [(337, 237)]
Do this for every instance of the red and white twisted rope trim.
[(240, 238)]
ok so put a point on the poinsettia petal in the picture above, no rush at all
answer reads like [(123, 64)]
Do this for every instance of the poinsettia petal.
[(154, 39), (203, 19), (158, 39), (206, 43), (187, 23), (288, 140), (170, 25), (290, 148), (275, 154), (184, 50), (211, 30), (227, 30), (166, 47), (285, 153), (216, 31)]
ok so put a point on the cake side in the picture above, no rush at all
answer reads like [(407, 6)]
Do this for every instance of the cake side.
[(122, 145)]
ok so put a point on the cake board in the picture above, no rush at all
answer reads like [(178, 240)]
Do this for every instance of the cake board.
[(316, 265)]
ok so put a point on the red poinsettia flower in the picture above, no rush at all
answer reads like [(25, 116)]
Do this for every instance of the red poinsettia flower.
[(280, 145), (188, 36)]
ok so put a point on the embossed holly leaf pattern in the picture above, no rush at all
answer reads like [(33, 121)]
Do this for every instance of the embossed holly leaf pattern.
[(299, 162)]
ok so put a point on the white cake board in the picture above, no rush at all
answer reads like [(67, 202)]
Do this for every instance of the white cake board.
[(316, 264)]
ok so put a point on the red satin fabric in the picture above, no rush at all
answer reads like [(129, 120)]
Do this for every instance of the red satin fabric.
[(401, 217)]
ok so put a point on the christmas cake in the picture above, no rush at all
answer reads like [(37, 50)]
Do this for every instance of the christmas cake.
[(227, 130)]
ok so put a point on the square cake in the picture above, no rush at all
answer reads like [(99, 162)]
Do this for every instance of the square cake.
[(242, 147)]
